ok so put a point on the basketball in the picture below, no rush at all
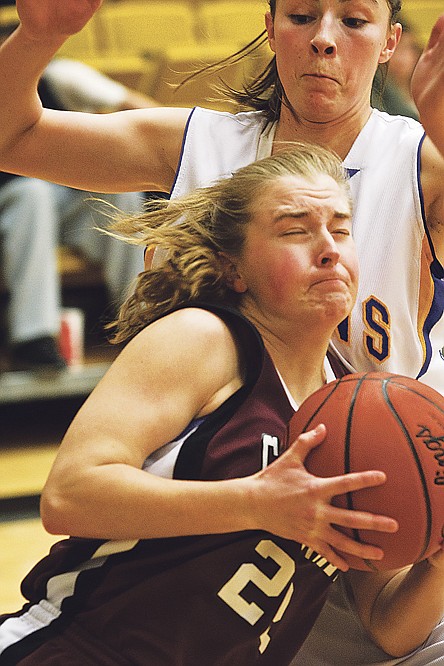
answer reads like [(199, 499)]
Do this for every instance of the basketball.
[(383, 421)]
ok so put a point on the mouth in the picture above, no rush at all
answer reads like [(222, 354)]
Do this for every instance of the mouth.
[(320, 77), (331, 283)]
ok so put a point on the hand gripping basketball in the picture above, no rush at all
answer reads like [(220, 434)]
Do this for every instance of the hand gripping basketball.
[(394, 424), (297, 505)]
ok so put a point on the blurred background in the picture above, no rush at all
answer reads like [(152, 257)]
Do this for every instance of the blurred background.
[(148, 48)]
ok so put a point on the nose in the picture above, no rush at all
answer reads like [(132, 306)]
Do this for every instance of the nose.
[(328, 252), (323, 43)]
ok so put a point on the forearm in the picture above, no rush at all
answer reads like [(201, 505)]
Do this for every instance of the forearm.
[(428, 86), (22, 61), (408, 608), (118, 501), (431, 118)]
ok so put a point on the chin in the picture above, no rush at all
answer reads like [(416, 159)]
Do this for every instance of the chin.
[(336, 309)]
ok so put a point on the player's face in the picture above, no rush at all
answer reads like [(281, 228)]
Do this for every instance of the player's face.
[(299, 260), (327, 52)]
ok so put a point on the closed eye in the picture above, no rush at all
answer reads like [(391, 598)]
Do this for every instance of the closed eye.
[(294, 232)]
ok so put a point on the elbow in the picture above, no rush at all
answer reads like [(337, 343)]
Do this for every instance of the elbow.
[(397, 646), (54, 513)]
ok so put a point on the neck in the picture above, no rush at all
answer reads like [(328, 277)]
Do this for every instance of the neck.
[(298, 355), (338, 134), (302, 377)]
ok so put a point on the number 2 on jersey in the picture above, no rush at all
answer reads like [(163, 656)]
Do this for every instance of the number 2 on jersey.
[(231, 592)]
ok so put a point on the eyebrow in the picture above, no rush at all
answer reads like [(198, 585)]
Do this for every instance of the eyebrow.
[(338, 215), (373, 2)]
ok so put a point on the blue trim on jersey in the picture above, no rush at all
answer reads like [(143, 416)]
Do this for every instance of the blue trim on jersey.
[(436, 267), (195, 423), (435, 314), (352, 172), (437, 273), (182, 149)]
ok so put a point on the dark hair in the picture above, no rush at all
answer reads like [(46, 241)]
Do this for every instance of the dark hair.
[(265, 92)]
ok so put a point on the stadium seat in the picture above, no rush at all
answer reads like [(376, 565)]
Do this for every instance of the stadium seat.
[(236, 21), (144, 28), (84, 44), (177, 63), (8, 16)]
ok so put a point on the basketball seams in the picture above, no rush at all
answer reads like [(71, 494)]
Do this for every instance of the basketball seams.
[(347, 459), (417, 460), (392, 408), (395, 381), (334, 386)]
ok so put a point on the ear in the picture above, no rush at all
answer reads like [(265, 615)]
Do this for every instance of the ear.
[(269, 24), (391, 43), (233, 278)]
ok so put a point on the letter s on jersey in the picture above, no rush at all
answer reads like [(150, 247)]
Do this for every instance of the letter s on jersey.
[(377, 329), (376, 335)]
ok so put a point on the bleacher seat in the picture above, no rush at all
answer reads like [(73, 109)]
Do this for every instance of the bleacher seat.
[(135, 34), (422, 15), (8, 16), (177, 63), (144, 28), (236, 21), (84, 44)]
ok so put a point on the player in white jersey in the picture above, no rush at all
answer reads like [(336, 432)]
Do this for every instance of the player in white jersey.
[(397, 324), (317, 89)]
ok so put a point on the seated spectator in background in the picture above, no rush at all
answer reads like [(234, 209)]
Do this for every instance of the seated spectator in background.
[(394, 95), (51, 215)]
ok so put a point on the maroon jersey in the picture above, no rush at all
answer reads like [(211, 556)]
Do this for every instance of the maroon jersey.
[(238, 599)]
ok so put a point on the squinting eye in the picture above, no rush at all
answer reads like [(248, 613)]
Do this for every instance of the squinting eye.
[(354, 22), (294, 232), (342, 232), (301, 19)]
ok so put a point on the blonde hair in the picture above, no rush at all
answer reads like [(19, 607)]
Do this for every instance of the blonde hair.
[(193, 231)]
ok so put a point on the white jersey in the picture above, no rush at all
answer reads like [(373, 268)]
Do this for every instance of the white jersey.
[(397, 324), (339, 639)]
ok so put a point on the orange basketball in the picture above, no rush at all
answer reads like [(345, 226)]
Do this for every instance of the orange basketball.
[(391, 423)]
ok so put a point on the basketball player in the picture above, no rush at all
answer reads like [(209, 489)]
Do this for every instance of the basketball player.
[(198, 538), (316, 89)]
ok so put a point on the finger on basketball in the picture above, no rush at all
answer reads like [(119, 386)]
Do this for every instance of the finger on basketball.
[(361, 520), (308, 441)]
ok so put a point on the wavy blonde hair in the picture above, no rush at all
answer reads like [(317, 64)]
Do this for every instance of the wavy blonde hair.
[(193, 231)]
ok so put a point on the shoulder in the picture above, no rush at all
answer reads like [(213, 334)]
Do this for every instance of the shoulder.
[(396, 121), (189, 358), (244, 121), (190, 337), (215, 143), (201, 325), (397, 128), (384, 141)]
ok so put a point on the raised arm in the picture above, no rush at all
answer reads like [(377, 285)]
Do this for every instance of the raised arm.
[(428, 93), (400, 609), (428, 86), (125, 151), (97, 487)]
